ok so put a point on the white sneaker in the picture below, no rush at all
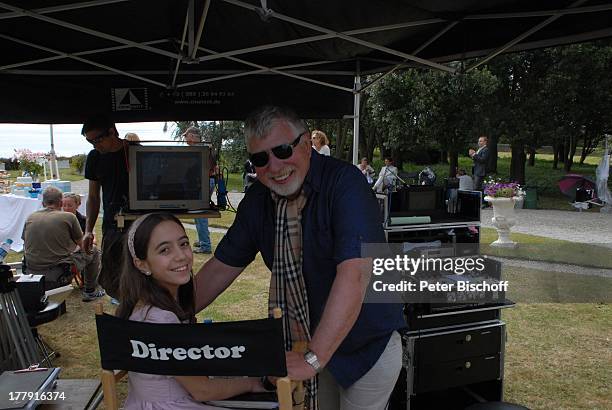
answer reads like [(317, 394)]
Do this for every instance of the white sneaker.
[(89, 296)]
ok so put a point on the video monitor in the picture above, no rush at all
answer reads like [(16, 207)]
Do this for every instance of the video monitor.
[(169, 178)]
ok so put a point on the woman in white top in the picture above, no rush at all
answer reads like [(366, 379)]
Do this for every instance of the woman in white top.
[(320, 142), (367, 170)]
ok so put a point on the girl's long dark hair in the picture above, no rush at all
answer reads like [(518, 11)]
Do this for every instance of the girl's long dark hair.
[(135, 286)]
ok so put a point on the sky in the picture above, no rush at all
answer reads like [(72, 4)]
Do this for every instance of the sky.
[(67, 137)]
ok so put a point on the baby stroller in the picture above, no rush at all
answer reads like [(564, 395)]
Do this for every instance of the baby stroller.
[(580, 190), (584, 192), (427, 176)]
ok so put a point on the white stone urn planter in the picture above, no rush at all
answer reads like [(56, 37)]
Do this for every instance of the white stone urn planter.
[(519, 202), (504, 218)]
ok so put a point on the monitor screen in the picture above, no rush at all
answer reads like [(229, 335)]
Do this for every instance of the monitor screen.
[(416, 200), (169, 177), (423, 201)]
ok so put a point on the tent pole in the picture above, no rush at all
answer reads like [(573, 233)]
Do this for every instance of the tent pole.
[(52, 155), (357, 100)]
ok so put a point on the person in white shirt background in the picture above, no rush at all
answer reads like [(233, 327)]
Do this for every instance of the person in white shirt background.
[(465, 181), (386, 176), (367, 170), (320, 142)]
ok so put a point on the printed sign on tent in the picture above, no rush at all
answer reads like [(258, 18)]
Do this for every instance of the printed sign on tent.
[(130, 99)]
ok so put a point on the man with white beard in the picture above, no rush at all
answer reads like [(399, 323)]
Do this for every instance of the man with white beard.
[(308, 215)]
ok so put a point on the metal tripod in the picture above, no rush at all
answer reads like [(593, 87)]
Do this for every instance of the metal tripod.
[(18, 349)]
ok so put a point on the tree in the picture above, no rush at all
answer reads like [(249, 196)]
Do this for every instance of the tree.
[(521, 114), (370, 129), (577, 87), (456, 115), (420, 110), (397, 107)]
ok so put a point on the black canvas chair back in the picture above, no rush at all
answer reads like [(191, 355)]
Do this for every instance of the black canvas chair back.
[(244, 348)]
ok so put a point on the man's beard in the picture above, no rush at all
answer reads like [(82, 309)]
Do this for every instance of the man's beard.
[(287, 189)]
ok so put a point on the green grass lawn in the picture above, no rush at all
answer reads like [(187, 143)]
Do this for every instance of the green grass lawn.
[(226, 220), (559, 356), (527, 286), (234, 183)]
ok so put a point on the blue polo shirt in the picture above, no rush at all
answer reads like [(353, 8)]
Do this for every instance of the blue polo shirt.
[(340, 214)]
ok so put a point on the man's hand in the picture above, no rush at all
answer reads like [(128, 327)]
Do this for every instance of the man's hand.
[(88, 240), (471, 152), (297, 368)]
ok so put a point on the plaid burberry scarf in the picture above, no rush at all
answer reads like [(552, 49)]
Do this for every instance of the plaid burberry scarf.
[(287, 286)]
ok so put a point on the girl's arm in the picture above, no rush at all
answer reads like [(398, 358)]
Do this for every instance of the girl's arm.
[(202, 388)]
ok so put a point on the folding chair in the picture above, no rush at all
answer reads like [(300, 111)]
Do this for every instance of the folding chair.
[(259, 343), (78, 278)]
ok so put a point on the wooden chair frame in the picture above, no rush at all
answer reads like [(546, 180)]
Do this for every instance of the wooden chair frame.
[(287, 391)]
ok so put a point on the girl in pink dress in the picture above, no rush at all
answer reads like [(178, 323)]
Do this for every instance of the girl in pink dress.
[(157, 287)]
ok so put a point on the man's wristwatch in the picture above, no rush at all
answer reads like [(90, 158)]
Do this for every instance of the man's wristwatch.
[(312, 360)]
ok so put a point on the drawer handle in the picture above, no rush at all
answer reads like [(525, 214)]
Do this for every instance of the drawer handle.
[(468, 365)]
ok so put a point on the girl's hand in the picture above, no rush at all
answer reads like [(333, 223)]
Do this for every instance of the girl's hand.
[(256, 386), (265, 384)]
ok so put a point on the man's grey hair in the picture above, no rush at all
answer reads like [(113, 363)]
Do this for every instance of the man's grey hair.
[(52, 196), (261, 121)]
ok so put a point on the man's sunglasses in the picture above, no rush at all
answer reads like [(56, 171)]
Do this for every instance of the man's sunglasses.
[(96, 141), (283, 151)]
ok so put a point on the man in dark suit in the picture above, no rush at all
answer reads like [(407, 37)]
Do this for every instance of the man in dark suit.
[(480, 158)]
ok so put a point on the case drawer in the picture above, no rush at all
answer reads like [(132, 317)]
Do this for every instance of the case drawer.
[(458, 345), (457, 373)]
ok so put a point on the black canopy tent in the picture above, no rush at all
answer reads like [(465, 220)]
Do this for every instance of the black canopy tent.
[(149, 60)]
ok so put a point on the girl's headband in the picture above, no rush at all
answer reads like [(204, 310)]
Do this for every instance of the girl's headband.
[(132, 232)]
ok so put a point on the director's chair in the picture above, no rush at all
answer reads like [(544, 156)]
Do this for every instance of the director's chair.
[(260, 344)]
